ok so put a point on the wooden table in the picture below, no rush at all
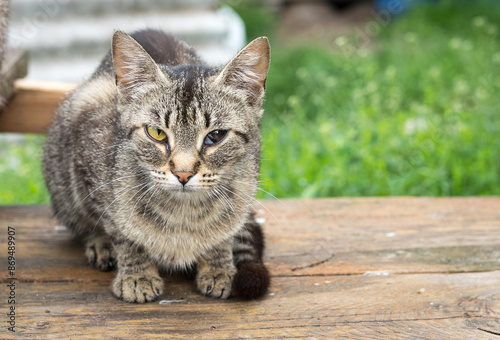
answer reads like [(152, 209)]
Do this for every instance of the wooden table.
[(367, 268)]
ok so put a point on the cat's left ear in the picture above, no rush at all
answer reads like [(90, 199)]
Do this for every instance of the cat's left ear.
[(134, 67), (248, 70)]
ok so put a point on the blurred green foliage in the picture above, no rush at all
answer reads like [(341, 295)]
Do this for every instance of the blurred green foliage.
[(410, 110), (21, 179)]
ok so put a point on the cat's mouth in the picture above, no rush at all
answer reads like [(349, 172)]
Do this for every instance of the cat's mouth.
[(186, 189), (181, 189), (175, 183)]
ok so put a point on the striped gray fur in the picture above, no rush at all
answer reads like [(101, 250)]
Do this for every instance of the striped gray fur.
[(140, 204)]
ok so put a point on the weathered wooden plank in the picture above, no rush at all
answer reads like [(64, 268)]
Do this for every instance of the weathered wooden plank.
[(351, 236), (402, 268), (416, 232), (382, 307), (33, 107)]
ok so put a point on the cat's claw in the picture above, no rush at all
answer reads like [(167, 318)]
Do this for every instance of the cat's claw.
[(137, 288), (215, 283)]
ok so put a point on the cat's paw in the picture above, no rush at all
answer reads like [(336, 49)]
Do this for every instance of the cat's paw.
[(137, 288), (99, 252), (215, 282)]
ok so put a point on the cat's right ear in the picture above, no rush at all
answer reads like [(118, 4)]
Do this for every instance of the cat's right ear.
[(133, 65), (247, 71)]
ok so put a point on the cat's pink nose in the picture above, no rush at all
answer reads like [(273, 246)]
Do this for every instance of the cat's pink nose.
[(183, 177)]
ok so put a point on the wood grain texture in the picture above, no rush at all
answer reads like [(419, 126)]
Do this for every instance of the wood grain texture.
[(369, 268), (32, 108)]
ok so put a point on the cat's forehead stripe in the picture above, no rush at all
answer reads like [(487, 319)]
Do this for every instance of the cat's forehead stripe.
[(155, 112), (167, 119), (207, 119), (189, 94), (190, 84)]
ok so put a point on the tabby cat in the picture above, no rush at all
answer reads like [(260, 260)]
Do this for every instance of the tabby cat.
[(154, 161)]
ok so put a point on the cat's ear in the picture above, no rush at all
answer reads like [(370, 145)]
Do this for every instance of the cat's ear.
[(134, 67), (248, 70)]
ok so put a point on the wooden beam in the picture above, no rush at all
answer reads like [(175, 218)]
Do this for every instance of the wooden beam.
[(346, 268), (33, 106)]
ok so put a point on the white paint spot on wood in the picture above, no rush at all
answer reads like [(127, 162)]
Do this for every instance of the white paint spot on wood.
[(375, 273), (166, 302)]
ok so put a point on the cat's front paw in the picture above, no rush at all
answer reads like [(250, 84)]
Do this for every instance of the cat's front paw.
[(100, 253), (215, 283), (138, 288)]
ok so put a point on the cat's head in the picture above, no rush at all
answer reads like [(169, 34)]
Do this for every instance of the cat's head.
[(192, 128)]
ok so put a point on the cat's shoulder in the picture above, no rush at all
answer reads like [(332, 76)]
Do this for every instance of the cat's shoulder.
[(98, 91)]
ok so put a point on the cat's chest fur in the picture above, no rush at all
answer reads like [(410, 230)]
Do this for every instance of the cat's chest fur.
[(176, 231)]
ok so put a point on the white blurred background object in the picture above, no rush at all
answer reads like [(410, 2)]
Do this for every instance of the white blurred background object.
[(68, 38)]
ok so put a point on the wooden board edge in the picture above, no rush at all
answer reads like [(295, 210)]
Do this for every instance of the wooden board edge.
[(33, 106)]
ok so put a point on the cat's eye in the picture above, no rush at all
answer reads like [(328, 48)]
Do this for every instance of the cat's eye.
[(214, 137), (155, 133)]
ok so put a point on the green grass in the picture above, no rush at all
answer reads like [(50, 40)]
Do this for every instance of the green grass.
[(419, 116), (21, 179), (416, 115)]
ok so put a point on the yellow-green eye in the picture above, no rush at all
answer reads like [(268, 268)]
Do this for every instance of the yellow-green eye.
[(156, 133)]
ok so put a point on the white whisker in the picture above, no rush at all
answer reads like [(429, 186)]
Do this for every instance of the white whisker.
[(149, 200), (259, 188), (220, 194), (252, 198), (123, 193), (138, 200), (103, 185)]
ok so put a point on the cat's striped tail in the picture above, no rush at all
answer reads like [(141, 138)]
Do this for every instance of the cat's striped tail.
[(252, 278)]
